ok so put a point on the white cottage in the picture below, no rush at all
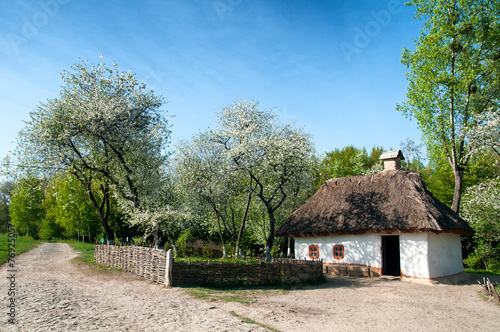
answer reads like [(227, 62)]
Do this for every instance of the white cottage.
[(386, 223)]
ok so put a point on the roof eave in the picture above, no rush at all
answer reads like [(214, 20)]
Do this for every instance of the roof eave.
[(462, 232)]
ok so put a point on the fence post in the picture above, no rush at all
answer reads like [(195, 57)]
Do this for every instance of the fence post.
[(168, 268)]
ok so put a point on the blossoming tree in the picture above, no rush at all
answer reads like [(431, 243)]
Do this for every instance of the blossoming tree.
[(106, 129)]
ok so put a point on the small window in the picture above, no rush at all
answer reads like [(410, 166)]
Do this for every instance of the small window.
[(313, 251), (338, 251)]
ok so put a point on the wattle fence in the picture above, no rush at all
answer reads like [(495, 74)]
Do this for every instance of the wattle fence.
[(152, 264)]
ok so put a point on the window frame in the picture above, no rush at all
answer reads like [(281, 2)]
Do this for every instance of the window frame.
[(312, 252), (341, 252)]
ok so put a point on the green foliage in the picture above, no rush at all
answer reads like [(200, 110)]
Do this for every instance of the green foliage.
[(50, 230), (68, 209), (183, 240), (474, 262), (6, 189), (4, 217), (23, 244), (26, 210), (439, 179), (348, 161), (481, 209), (453, 76)]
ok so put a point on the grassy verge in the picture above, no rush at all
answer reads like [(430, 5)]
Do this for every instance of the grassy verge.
[(196, 259), (482, 271), (22, 244), (243, 295), (86, 250)]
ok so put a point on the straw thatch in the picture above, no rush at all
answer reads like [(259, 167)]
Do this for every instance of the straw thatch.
[(386, 202)]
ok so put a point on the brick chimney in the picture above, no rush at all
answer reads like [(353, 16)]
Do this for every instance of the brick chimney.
[(392, 160)]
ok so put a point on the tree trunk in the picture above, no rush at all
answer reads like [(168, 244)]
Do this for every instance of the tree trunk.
[(107, 230), (242, 227), (155, 238), (457, 194), (103, 210), (270, 238), (220, 234)]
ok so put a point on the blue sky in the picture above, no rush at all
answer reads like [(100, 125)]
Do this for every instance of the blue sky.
[(332, 67)]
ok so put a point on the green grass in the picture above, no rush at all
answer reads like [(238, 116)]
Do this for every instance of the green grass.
[(197, 259), (215, 295), (476, 271), (86, 250), (241, 295), (22, 244)]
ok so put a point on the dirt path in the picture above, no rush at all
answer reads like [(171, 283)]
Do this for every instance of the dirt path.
[(56, 295), (362, 304)]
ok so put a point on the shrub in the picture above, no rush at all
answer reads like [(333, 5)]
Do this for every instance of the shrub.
[(183, 240), (493, 265), (474, 262)]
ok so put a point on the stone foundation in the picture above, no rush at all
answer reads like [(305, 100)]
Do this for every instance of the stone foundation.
[(350, 270)]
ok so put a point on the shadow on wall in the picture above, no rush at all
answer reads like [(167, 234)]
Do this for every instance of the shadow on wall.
[(364, 253)]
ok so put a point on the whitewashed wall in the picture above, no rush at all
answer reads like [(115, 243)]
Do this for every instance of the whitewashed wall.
[(423, 255), (413, 248), (363, 249), (445, 256)]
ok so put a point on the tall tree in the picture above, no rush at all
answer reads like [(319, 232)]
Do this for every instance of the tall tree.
[(453, 75), (277, 157), (106, 129), (348, 161), (160, 211), (26, 210), (206, 178), (413, 155), (6, 189), (67, 207)]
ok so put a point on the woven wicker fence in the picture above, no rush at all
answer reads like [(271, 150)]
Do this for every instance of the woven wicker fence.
[(146, 262), (151, 264)]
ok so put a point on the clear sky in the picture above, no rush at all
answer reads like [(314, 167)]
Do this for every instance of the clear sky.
[(331, 66)]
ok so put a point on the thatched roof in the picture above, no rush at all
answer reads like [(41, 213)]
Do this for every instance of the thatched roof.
[(386, 202)]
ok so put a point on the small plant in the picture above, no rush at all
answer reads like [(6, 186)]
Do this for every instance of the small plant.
[(137, 240)]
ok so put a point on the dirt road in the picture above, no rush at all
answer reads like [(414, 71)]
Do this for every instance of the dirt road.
[(53, 294), (362, 304)]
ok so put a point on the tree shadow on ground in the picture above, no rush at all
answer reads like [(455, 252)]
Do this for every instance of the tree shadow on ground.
[(467, 279), (462, 279)]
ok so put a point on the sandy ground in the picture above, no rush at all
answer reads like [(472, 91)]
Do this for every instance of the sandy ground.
[(53, 294), (363, 304), (56, 295)]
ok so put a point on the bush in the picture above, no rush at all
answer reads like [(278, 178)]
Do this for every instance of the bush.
[(474, 262), (493, 265), (183, 240)]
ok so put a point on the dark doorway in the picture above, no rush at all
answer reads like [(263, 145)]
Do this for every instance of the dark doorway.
[(390, 255)]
